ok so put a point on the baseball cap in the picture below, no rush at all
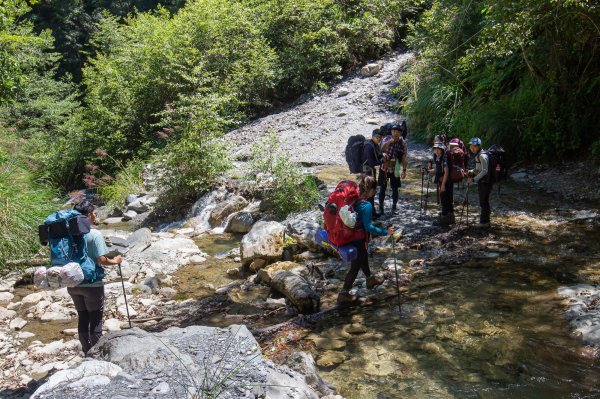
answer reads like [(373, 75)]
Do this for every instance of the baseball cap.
[(475, 141), (376, 132)]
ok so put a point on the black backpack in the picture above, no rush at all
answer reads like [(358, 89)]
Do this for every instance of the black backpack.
[(354, 153), (497, 165)]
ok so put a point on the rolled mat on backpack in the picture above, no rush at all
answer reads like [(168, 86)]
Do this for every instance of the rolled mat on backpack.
[(346, 252)]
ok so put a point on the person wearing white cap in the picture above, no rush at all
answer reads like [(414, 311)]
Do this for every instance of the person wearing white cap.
[(481, 176)]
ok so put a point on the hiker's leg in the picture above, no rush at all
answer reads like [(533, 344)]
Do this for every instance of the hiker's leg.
[(395, 183), (484, 201), (446, 200), (356, 264), (83, 318), (382, 188), (94, 302)]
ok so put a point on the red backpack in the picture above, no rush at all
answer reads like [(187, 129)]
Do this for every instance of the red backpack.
[(459, 157), (345, 193)]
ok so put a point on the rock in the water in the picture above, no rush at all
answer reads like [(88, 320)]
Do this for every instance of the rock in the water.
[(32, 299), (221, 211), (240, 222), (370, 69), (304, 364), (331, 358), (265, 241), (6, 297), (297, 290), (303, 227), (55, 316), (130, 214), (6, 314), (17, 324)]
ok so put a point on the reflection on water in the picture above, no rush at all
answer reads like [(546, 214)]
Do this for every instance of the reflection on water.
[(490, 328)]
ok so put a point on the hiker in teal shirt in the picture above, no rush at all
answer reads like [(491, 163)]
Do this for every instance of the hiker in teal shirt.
[(364, 210), (89, 297)]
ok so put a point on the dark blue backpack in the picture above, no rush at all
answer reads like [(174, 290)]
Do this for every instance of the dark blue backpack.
[(64, 232)]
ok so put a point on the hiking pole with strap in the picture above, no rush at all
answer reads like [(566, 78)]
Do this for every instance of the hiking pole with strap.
[(467, 199), (396, 270), (125, 295), (427, 192)]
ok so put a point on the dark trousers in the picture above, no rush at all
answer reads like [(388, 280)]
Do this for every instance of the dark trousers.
[(89, 303), (360, 263), (484, 190), (394, 183), (447, 198)]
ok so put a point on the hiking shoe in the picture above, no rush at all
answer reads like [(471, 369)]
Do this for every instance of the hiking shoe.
[(374, 280), (345, 298), (394, 210)]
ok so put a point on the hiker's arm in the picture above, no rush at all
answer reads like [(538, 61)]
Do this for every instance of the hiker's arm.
[(103, 260), (365, 214), (484, 168), (445, 179)]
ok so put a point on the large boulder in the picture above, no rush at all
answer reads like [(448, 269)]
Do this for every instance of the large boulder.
[(264, 241), (134, 363), (371, 69), (297, 290), (240, 222), (221, 211), (302, 227), (304, 364)]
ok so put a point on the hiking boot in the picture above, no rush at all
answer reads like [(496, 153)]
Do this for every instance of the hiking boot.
[(483, 225), (345, 298), (374, 280), (394, 210)]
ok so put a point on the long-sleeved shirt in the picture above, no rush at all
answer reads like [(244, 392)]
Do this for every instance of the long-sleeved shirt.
[(365, 214), (481, 166), (372, 154), (395, 150)]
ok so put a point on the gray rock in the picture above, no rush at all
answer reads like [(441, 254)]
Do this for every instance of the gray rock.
[(304, 364), (240, 222), (265, 241), (6, 314), (221, 211), (17, 324), (168, 292), (153, 283), (140, 238), (6, 297), (343, 91), (370, 69), (139, 206), (130, 214), (303, 227), (109, 221), (297, 290), (130, 199)]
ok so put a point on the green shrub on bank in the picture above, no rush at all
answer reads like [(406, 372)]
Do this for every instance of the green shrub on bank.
[(283, 181), (521, 73), (128, 180), (24, 204)]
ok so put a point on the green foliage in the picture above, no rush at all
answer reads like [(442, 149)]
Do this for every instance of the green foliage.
[(128, 180), (288, 188), (522, 73), (194, 161), (24, 204)]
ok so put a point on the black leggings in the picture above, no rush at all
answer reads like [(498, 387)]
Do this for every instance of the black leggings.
[(89, 303), (360, 263)]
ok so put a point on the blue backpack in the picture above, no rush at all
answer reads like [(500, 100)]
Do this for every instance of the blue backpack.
[(64, 232)]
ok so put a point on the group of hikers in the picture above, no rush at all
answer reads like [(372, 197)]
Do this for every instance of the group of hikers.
[(383, 161)]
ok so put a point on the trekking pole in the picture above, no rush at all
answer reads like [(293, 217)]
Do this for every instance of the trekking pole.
[(427, 195), (467, 199), (396, 270), (422, 186), (124, 295)]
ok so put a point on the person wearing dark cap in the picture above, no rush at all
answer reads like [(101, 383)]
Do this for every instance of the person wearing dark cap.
[(394, 151), (373, 159), (441, 169), (481, 176)]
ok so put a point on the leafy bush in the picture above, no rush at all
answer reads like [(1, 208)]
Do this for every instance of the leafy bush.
[(24, 204), (128, 180), (522, 73), (288, 188)]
